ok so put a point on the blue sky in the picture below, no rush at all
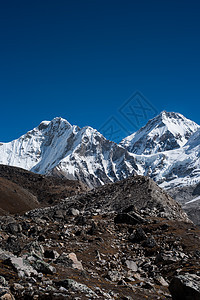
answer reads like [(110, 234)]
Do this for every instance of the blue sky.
[(83, 60)]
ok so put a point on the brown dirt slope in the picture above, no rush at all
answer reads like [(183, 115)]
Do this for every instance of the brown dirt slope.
[(15, 199), (47, 189)]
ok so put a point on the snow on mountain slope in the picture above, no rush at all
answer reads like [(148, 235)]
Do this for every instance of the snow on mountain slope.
[(33, 147), (174, 168), (59, 148), (165, 132), (194, 140), (56, 147)]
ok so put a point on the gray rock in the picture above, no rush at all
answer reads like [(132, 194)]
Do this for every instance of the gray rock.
[(13, 228), (166, 258), (149, 242), (161, 281), (76, 286), (17, 287), (131, 265), (69, 260), (113, 275), (34, 248), (21, 266), (137, 236), (43, 267), (126, 218), (3, 282), (73, 212), (13, 245), (5, 294), (59, 214), (185, 287)]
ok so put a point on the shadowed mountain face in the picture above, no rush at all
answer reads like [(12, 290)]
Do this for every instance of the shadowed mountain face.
[(21, 190)]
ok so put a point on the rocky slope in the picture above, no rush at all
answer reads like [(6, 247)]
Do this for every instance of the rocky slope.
[(127, 240)]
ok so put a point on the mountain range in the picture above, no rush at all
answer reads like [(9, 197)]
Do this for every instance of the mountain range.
[(108, 238), (166, 149)]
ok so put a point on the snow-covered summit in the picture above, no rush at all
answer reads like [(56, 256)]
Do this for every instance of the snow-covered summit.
[(57, 147), (166, 149), (29, 149), (167, 131)]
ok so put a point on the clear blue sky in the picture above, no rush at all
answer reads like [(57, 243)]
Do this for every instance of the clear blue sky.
[(83, 59)]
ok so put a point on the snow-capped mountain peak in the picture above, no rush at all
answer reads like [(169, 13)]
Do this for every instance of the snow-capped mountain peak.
[(167, 131), (57, 147), (167, 149)]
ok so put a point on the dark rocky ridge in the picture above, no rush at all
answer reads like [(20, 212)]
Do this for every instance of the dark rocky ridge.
[(137, 193)]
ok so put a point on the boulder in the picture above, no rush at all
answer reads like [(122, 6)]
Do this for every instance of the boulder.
[(137, 236), (69, 260), (21, 266), (77, 287), (185, 287), (43, 267), (13, 228), (5, 294), (73, 212), (149, 242), (113, 275), (131, 219), (52, 254), (13, 245), (131, 265)]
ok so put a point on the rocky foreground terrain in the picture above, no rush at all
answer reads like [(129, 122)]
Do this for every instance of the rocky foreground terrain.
[(127, 240)]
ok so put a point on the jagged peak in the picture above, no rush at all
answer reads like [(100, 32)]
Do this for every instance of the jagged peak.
[(57, 122), (167, 131), (165, 115)]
